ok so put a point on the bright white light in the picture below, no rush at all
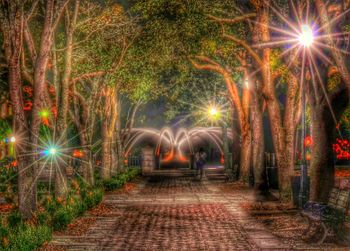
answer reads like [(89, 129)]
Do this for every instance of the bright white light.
[(52, 151), (246, 82), (213, 111), (12, 139), (306, 37)]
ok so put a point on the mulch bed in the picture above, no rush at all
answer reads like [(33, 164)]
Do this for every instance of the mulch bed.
[(284, 221)]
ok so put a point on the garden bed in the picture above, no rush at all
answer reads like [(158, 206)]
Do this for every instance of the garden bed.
[(56, 214)]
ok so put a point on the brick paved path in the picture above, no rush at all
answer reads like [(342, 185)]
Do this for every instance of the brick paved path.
[(174, 214)]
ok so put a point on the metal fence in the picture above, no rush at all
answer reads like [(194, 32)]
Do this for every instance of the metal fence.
[(133, 161)]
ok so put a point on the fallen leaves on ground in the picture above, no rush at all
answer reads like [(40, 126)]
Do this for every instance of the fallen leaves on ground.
[(50, 247), (78, 227), (266, 206), (6, 208), (285, 223), (101, 210), (127, 188)]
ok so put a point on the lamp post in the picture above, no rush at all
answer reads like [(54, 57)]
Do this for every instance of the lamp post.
[(306, 39), (214, 114)]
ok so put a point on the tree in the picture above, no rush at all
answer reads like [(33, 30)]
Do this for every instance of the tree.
[(15, 16)]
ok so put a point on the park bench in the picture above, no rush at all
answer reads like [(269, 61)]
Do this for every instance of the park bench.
[(331, 216)]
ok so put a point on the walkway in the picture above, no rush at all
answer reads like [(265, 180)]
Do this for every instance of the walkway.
[(173, 214)]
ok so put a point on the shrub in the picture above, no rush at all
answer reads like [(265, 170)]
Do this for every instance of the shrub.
[(112, 184), (27, 237), (93, 198), (43, 218), (14, 219), (119, 180), (61, 218)]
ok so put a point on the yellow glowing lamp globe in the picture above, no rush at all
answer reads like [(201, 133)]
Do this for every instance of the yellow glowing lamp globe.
[(306, 37), (12, 139), (214, 113), (44, 113)]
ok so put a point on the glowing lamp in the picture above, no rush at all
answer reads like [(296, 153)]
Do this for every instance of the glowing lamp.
[(246, 83), (213, 111), (44, 113), (50, 151), (306, 37), (78, 153), (308, 141), (308, 156), (12, 139)]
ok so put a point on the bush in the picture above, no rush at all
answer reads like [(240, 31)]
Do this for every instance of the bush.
[(43, 218), (27, 238), (14, 219), (93, 198), (119, 180), (61, 218), (112, 184), (56, 213)]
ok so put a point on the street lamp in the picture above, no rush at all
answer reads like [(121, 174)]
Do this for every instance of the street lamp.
[(306, 39), (51, 151), (214, 114)]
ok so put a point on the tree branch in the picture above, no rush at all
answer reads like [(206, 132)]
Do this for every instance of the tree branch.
[(245, 46), (232, 20), (88, 75)]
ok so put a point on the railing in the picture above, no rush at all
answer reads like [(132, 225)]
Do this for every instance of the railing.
[(133, 161)]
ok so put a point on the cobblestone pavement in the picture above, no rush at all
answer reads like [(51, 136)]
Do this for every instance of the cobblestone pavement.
[(174, 214)]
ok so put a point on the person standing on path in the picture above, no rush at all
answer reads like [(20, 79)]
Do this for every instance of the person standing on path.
[(200, 158)]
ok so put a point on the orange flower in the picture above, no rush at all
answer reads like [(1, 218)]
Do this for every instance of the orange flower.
[(5, 241), (59, 200)]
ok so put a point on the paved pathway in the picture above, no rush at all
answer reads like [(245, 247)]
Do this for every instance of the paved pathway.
[(174, 214)]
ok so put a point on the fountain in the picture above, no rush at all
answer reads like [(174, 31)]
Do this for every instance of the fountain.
[(176, 148)]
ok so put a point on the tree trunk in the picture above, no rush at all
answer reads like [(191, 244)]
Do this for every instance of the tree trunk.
[(12, 18), (61, 185), (246, 151), (323, 134), (273, 106), (260, 180), (87, 161), (106, 152), (26, 180), (322, 162)]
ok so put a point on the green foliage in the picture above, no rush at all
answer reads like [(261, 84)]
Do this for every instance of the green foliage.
[(93, 198), (14, 219), (61, 218), (121, 179), (5, 129), (8, 178), (28, 237), (43, 218), (345, 120), (333, 81)]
